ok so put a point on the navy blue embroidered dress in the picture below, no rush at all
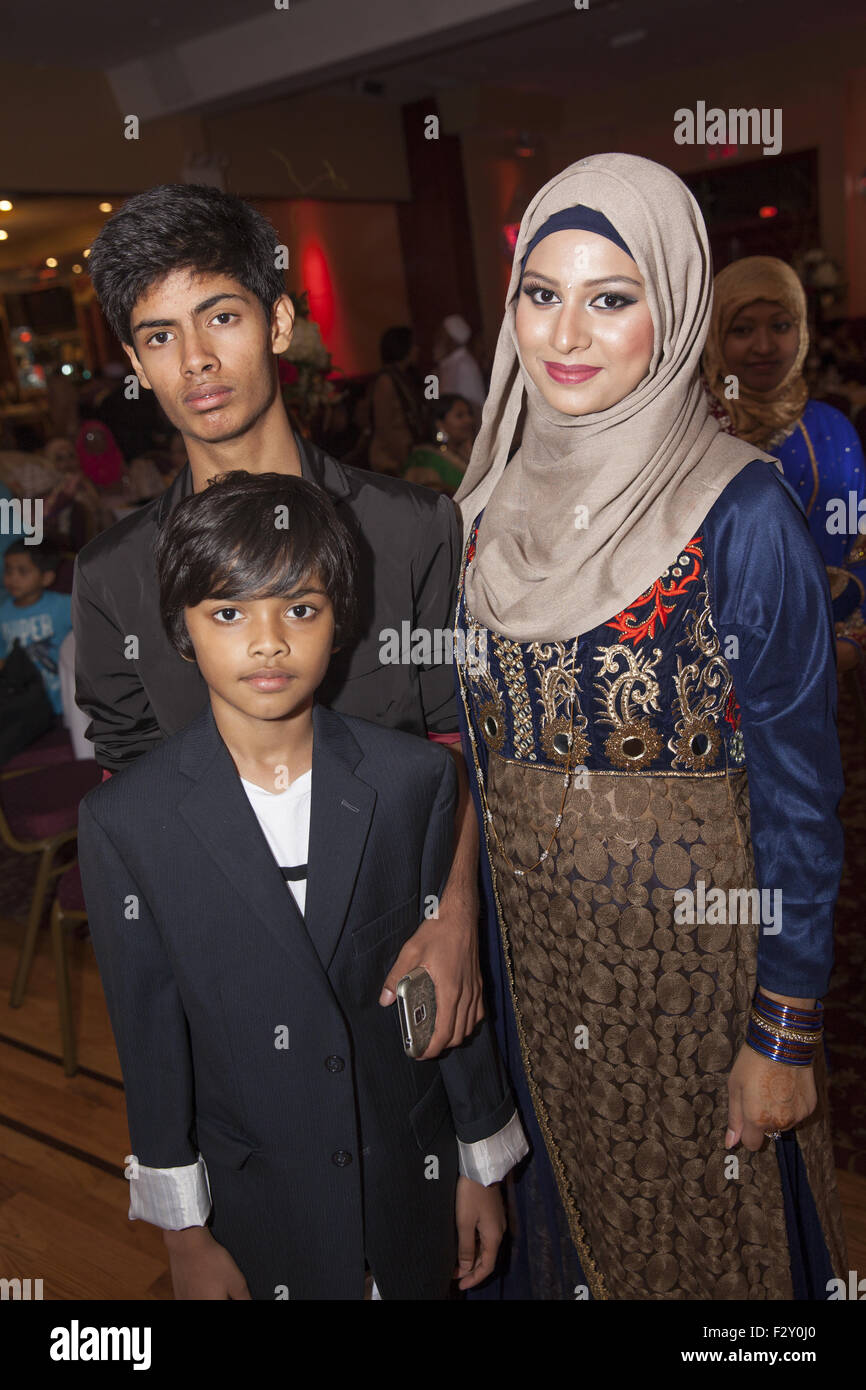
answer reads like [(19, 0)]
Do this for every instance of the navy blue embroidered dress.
[(697, 851)]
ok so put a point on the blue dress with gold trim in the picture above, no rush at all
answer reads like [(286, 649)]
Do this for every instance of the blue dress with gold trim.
[(694, 850), (822, 458)]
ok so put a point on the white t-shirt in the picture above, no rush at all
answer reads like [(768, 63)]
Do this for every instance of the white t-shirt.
[(285, 820)]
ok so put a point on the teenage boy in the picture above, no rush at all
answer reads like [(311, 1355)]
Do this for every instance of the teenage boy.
[(187, 278), (248, 883)]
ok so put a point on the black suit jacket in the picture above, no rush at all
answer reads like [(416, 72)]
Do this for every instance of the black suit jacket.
[(409, 545), (219, 958)]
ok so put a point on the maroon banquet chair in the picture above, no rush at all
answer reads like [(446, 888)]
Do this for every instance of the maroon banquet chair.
[(67, 910), (51, 748), (39, 815)]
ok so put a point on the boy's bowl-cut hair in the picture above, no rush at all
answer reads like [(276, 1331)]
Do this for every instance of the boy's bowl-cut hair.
[(44, 556), (180, 226), (229, 541)]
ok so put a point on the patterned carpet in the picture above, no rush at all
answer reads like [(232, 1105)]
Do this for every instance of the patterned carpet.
[(845, 1005)]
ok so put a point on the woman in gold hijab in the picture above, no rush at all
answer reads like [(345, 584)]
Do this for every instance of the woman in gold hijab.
[(648, 695), (753, 364)]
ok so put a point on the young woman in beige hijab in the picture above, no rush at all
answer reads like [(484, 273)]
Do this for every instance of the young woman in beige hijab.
[(648, 693)]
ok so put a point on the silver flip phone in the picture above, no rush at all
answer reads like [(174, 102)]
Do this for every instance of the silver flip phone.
[(416, 1010)]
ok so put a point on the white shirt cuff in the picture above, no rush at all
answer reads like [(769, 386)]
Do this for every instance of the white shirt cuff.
[(172, 1198), (488, 1160)]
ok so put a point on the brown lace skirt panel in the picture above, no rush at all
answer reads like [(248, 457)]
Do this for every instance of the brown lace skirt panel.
[(630, 1020)]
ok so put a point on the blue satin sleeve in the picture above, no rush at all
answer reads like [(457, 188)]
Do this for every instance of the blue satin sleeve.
[(855, 477), (839, 451), (769, 590)]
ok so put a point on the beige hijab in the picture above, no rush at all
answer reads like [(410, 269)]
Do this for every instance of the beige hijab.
[(647, 469), (757, 415)]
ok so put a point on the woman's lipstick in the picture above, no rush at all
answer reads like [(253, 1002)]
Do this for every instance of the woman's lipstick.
[(570, 376)]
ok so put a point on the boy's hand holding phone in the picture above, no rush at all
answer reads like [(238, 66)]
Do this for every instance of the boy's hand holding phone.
[(201, 1268), (480, 1227), (447, 947)]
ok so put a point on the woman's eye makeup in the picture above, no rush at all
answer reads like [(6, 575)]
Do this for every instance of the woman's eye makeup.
[(623, 300), (531, 290), (608, 300)]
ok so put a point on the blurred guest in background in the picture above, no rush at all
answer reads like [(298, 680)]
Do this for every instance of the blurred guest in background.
[(459, 372), (11, 530), (397, 403), (132, 414), (99, 455), (753, 366), (33, 477), (27, 475), (37, 618), (441, 463), (61, 397), (73, 507), (144, 478)]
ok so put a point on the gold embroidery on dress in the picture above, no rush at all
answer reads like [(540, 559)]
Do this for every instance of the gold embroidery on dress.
[(511, 661), (634, 743), (557, 690), (485, 692), (702, 689)]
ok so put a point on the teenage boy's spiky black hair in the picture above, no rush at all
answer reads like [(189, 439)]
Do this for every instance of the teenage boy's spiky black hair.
[(180, 226), (225, 543)]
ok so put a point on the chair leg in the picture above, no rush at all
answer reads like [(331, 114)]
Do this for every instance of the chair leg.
[(31, 932), (61, 972)]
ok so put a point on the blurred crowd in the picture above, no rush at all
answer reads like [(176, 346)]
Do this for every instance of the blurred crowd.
[(107, 448)]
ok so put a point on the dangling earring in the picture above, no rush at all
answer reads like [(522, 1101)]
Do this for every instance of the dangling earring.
[(441, 439)]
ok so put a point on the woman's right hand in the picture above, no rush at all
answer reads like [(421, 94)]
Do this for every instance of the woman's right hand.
[(201, 1268)]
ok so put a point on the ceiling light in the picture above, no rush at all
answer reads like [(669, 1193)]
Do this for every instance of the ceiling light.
[(105, 207), (4, 235), (51, 261), (5, 205)]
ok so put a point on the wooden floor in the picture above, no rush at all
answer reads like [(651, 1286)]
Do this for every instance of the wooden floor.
[(63, 1197)]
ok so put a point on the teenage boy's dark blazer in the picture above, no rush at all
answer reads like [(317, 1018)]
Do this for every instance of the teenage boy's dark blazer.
[(321, 1151), (410, 549)]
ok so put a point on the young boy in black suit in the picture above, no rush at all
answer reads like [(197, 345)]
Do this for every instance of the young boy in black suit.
[(249, 883)]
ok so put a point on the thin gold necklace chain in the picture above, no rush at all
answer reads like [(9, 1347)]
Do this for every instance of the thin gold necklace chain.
[(566, 781)]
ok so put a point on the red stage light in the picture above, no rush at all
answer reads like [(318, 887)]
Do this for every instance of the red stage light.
[(316, 280), (768, 211), (511, 231)]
